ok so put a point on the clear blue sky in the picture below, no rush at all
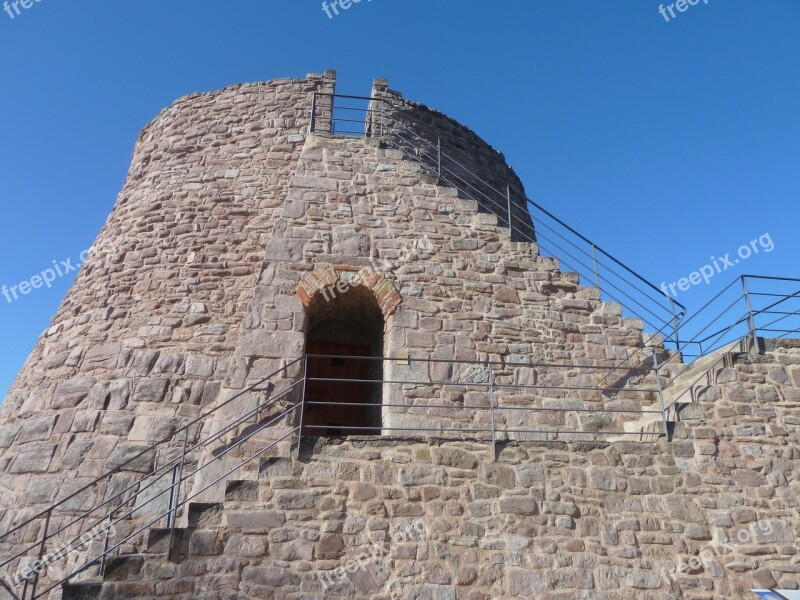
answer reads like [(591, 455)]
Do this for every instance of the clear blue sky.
[(666, 142)]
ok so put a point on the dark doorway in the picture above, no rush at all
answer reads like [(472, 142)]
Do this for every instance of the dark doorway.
[(341, 398)]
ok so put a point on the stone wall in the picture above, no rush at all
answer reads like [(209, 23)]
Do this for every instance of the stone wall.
[(144, 338), (468, 163), (710, 515), (202, 286), (192, 293), (470, 295)]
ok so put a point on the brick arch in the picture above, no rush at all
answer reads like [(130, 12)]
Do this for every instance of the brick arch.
[(312, 284)]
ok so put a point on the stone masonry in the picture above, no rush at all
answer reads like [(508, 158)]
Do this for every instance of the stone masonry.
[(210, 269)]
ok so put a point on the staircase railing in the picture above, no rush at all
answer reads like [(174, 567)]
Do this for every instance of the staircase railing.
[(527, 220), (166, 490), (102, 518), (741, 317)]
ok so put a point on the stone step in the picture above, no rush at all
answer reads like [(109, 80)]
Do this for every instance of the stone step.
[(275, 467), (86, 590), (205, 515), (158, 541), (241, 491), (124, 568)]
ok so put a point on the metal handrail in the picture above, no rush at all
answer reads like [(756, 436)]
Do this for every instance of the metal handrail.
[(134, 502), (749, 317), (154, 476), (107, 552), (163, 441), (397, 133), (499, 204)]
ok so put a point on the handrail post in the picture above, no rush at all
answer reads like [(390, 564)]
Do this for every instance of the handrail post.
[(302, 405), (171, 507), (751, 321), (439, 158), (175, 494), (657, 368), (510, 225), (313, 126), (105, 544), (675, 326), (596, 272), (493, 450), (41, 552)]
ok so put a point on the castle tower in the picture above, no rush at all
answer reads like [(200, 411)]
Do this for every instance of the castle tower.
[(315, 326)]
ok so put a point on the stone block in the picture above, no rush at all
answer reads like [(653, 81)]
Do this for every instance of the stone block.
[(71, 392), (33, 458), (603, 478), (150, 390), (37, 429), (254, 520), (330, 547), (497, 474), (206, 543), (126, 456), (569, 509), (683, 509), (248, 546), (531, 476), (103, 356), (272, 576), (518, 505), (198, 365), (454, 457), (422, 475)]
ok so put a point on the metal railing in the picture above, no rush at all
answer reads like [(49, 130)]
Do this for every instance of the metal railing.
[(497, 388), (349, 116), (740, 318), (527, 220), (175, 482), (143, 492)]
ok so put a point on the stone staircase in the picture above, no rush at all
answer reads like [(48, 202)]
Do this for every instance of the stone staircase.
[(239, 526)]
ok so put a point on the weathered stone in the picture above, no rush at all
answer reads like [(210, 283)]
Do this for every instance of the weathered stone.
[(33, 458), (249, 546), (497, 474), (422, 475), (683, 509), (71, 392), (270, 576), (530, 476), (454, 457), (131, 457), (150, 390), (518, 505), (330, 547), (254, 520), (37, 429)]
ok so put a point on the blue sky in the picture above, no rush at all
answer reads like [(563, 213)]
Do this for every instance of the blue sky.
[(666, 142)]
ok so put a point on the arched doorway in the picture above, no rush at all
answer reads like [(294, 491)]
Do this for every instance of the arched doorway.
[(345, 329)]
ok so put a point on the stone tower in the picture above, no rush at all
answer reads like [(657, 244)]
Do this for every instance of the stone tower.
[(296, 350)]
